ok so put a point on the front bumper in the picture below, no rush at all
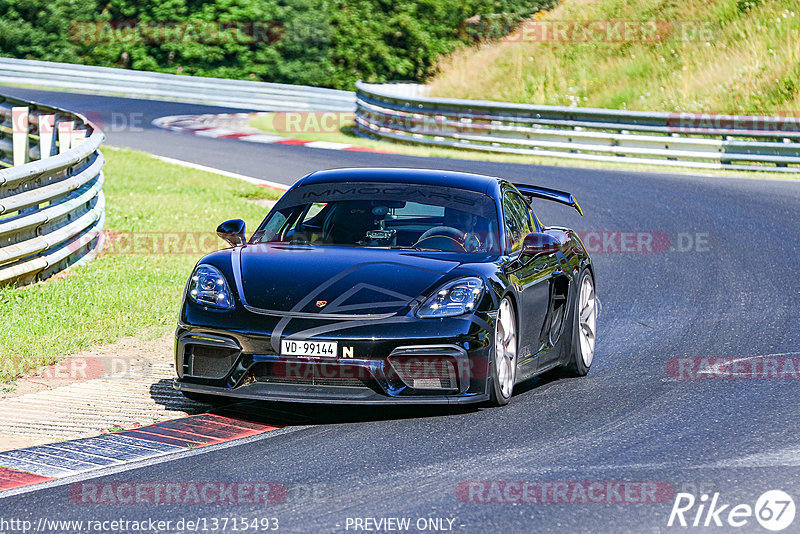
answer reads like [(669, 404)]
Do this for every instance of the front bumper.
[(407, 362), (323, 394)]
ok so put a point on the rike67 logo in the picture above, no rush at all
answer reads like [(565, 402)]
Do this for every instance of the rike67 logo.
[(774, 510)]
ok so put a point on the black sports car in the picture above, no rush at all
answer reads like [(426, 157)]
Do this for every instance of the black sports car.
[(389, 286)]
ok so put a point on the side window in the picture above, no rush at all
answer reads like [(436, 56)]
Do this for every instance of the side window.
[(273, 227), (313, 211), (305, 228), (517, 219)]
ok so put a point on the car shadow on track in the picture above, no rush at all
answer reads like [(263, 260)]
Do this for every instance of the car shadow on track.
[(534, 383), (291, 414)]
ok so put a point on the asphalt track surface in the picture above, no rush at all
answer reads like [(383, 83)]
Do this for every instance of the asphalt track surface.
[(734, 296)]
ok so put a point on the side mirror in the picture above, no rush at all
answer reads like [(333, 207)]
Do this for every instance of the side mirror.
[(232, 231), (537, 243)]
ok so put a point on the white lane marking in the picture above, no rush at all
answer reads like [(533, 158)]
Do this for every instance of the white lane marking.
[(214, 132), (330, 145), (262, 138), (147, 462), (197, 166)]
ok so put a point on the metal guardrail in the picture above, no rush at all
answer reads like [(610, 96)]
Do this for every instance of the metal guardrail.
[(402, 112), (52, 208), (179, 88)]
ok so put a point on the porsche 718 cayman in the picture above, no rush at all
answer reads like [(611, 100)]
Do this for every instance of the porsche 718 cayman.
[(389, 286)]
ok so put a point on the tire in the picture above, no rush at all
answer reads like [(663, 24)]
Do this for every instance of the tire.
[(584, 328), (503, 369), (211, 400)]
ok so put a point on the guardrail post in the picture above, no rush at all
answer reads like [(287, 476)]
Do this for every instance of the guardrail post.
[(19, 134), (46, 130), (65, 135)]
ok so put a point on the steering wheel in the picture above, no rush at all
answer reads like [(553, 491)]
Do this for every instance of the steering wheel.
[(451, 238), (472, 242)]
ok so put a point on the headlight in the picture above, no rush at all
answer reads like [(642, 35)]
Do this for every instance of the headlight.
[(209, 288), (454, 298)]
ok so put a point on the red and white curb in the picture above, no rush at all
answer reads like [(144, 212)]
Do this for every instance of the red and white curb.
[(237, 126), (36, 465), (58, 427)]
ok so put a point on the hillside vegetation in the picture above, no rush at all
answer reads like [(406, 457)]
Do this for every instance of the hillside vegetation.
[(734, 56)]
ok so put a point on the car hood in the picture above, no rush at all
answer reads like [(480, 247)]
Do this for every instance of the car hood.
[(335, 280)]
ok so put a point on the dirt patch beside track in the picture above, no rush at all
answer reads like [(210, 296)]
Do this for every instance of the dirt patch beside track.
[(121, 385)]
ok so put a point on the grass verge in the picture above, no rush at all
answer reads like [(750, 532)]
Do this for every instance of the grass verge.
[(127, 290)]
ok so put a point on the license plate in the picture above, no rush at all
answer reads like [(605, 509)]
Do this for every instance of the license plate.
[(317, 349)]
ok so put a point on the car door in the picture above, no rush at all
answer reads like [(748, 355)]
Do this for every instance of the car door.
[(531, 278)]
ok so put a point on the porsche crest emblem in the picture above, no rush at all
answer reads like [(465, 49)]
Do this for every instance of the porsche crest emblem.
[(322, 303)]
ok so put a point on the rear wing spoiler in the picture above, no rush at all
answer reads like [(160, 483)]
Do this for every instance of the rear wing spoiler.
[(562, 197)]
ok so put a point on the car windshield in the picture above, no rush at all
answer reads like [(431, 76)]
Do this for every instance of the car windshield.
[(383, 215)]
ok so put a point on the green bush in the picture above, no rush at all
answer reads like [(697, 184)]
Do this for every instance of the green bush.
[(327, 43)]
